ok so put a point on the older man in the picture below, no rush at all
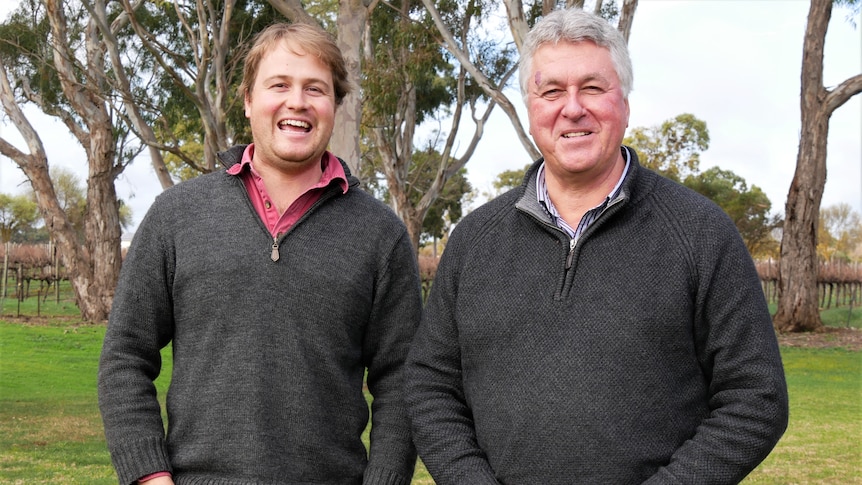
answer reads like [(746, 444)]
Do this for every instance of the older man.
[(599, 324)]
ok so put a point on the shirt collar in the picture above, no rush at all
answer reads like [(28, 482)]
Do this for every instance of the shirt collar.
[(542, 187)]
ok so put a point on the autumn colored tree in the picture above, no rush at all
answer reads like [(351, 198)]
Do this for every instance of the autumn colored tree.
[(839, 233)]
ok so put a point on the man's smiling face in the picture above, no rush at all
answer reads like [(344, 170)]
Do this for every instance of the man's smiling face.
[(578, 113), (291, 108)]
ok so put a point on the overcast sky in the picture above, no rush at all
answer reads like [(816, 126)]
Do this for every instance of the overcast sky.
[(734, 64)]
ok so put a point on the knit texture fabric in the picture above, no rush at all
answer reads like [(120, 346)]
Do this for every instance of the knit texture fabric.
[(268, 356), (646, 354)]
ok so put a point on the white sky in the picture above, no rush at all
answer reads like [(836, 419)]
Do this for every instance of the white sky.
[(734, 64)]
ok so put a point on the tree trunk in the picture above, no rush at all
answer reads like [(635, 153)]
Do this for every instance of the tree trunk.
[(413, 222), (352, 18), (798, 308), (93, 269), (797, 279), (517, 22), (627, 18), (102, 226)]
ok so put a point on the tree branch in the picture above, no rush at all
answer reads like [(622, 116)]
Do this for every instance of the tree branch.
[(487, 86), (293, 11), (842, 93), (627, 18)]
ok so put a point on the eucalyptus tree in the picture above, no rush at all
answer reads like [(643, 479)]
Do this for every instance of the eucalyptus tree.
[(52, 57), (194, 55), (448, 208), (409, 80), (798, 302)]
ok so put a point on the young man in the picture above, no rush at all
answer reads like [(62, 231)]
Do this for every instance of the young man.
[(279, 283), (599, 324)]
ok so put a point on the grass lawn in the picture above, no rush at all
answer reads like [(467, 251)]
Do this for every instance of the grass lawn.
[(51, 433), (822, 444)]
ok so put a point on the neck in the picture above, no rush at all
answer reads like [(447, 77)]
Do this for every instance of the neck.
[(574, 196)]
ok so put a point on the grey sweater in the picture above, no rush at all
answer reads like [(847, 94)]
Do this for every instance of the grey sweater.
[(645, 354), (268, 357)]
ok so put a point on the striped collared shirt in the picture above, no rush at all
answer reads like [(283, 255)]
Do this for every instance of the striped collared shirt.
[(590, 216)]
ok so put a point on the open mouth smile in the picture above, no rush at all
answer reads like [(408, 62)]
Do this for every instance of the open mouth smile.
[(576, 134), (294, 125)]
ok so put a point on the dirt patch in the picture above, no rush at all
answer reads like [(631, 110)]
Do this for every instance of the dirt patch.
[(829, 337), (55, 321)]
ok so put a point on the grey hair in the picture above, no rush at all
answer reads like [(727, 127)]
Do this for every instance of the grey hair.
[(576, 25)]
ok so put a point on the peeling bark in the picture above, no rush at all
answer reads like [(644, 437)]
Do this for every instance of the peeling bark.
[(798, 308)]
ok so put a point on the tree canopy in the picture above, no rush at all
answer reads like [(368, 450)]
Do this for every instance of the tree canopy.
[(748, 208), (672, 148), (18, 215)]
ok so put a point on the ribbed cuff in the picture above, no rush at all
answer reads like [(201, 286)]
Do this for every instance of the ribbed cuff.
[(136, 459), (383, 476)]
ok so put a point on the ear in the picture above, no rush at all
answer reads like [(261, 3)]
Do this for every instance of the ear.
[(246, 105), (628, 112)]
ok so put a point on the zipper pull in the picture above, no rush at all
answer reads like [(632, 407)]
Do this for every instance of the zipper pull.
[(274, 255), (570, 258)]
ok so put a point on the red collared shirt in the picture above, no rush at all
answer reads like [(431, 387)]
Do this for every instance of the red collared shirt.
[(277, 224)]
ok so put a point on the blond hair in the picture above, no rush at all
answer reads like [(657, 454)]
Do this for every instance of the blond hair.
[(302, 39)]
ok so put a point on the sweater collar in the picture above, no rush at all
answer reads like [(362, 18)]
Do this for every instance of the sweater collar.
[(529, 203)]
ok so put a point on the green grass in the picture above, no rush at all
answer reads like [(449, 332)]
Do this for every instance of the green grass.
[(822, 443), (50, 429), (843, 317), (51, 433)]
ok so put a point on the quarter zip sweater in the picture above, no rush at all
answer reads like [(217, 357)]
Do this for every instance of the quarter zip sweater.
[(645, 353), (268, 356)]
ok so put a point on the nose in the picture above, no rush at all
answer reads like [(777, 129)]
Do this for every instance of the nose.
[(295, 98), (573, 108)]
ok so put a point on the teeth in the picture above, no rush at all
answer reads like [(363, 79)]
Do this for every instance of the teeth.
[(573, 135), (296, 123)]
